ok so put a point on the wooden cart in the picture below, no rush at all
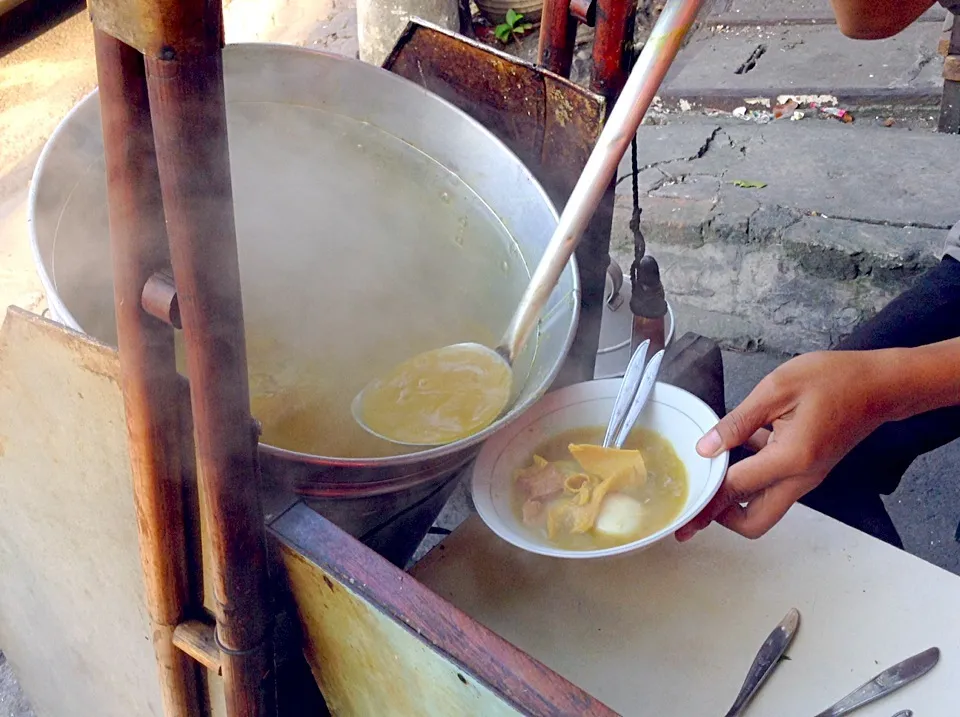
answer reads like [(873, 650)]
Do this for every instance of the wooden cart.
[(225, 575)]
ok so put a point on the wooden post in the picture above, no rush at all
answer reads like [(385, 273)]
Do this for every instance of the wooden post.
[(558, 37), (139, 248), (161, 74), (190, 128), (612, 47)]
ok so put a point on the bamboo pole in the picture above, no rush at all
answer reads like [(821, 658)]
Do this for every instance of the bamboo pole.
[(189, 120), (148, 375)]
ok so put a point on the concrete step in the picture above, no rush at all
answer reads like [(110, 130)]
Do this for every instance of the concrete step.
[(847, 218), (785, 12), (724, 67)]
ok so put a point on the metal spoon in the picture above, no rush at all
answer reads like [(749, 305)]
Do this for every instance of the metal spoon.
[(647, 382), (628, 391), (651, 67)]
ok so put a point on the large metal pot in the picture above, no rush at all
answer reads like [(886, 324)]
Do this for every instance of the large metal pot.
[(374, 220)]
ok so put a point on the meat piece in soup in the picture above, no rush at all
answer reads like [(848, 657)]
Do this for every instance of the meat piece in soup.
[(604, 497)]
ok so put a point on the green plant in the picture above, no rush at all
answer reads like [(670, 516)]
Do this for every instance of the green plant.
[(512, 28)]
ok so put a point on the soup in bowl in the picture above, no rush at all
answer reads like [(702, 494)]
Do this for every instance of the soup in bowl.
[(543, 485)]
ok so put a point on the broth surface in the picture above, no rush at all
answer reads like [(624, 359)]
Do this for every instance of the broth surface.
[(439, 396), (662, 495)]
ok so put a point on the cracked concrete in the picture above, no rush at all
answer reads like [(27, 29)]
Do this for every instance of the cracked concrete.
[(838, 229)]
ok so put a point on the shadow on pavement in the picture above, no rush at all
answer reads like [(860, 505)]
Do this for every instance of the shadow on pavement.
[(31, 19)]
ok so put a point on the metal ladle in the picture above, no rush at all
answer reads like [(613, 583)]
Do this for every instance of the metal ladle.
[(641, 87)]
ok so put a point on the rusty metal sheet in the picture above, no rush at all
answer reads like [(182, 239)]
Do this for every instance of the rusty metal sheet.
[(380, 643), (504, 95), (548, 121), (572, 123)]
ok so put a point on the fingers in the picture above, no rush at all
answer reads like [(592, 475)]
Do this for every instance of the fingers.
[(743, 481), (762, 512), (737, 427), (759, 440)]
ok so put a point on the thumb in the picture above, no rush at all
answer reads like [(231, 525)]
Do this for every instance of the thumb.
[(740, 424)]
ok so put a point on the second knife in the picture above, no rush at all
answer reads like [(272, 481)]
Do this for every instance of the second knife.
[(890, 680)]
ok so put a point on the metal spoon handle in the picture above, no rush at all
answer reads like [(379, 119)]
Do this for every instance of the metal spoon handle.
[(647, 383), (890, 680), (767, 658), (628, 390), (658, 54)]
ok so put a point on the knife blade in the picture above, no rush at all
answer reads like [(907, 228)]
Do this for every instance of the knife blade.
[(890, 680), (767, 658)]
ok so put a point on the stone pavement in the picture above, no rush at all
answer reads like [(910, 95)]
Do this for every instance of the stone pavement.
[(12, 701), (847, 216)]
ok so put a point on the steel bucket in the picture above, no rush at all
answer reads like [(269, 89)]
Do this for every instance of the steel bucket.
[(374, 220)]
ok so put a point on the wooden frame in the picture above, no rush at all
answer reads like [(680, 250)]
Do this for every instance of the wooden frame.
[(170, 203), (171, 213)]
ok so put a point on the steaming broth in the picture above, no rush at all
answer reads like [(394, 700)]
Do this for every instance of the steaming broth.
[(357, 251), (633, 511), (305, 406)]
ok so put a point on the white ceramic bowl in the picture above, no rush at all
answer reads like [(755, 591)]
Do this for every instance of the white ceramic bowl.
[(675, 414)]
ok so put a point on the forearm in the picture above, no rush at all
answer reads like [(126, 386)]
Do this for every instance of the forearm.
[(916, 380)]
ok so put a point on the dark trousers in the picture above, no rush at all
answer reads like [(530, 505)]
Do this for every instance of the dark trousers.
[(926, 313)]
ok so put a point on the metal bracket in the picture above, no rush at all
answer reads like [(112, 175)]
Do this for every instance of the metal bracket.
[(159, 299)]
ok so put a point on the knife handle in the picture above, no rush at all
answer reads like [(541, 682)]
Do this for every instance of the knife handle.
[(888, 681), (767, 658)]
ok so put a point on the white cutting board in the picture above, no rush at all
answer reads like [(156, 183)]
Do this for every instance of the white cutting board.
[(671, 631)]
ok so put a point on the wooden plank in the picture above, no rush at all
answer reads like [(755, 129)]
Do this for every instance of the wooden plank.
[(381, 644), (198, 640), (73, 616)]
